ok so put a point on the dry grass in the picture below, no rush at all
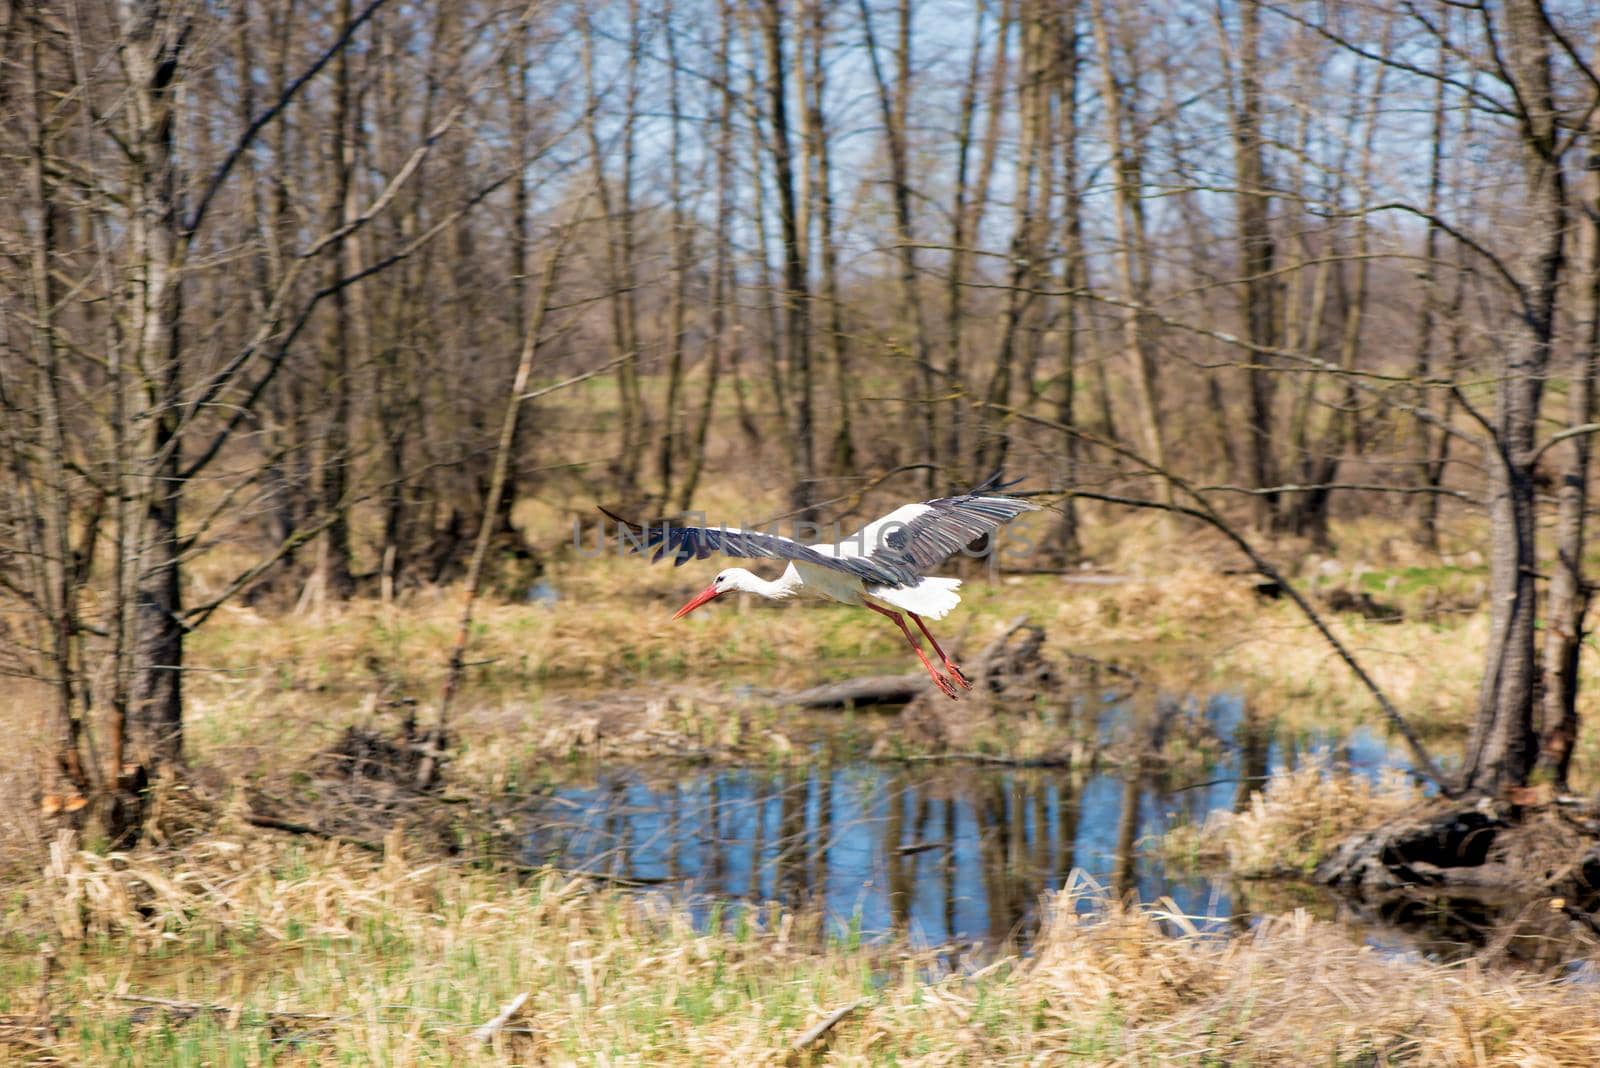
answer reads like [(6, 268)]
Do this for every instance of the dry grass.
[(323, 955), (604, 673), (1292, 991), (612, 619), (1292, 823)]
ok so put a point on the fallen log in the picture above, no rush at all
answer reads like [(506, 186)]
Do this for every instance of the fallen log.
[(194, 1008), (273, 823), (862, 692), (1059, 760), (1438, 848)]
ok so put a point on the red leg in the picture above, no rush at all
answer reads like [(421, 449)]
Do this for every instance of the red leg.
[(954, 672), (945, 685)]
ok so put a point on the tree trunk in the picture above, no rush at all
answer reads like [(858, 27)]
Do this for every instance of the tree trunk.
[(796, 289), (813, 87), (1501, 749), (893, 101), (1570, 592), (1064, 537), (966, 222), (333, 548), (521, 248), (669, 447), (616, 206), (50, 524), (719, 271), (1427, 528), (1132, 257), (1308, 515), (151, 48), (1030, 217), (1257, 254)]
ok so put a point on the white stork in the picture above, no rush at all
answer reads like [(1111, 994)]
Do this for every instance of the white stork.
[(883, 566)]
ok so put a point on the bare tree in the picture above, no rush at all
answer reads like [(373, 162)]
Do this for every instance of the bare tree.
[(1570, 593), (151, 50), (970, 203), (1503, 745), (1257, 254), (811, 67), (894, 101), (1125, 144), (796, 287), (333, 547), (722, 91), (617, 208)]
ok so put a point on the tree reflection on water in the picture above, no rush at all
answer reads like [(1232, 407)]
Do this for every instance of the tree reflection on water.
[(939, 852)]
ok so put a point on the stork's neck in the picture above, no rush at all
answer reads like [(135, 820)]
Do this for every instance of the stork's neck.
[(787, 585)]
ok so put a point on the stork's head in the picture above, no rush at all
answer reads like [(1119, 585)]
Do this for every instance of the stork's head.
[(731, 579)]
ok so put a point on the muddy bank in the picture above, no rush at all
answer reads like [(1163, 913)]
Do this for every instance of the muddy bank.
[(1515, 880), (1027, 707)]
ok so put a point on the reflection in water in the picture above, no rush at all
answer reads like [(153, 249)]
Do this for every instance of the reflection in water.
[(941, 853)]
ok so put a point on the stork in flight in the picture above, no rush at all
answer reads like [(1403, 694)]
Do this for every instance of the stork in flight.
[(883, 566)]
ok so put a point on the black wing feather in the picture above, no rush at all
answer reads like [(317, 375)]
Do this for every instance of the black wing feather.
[(906, 553), (950, 525), (696, 543)]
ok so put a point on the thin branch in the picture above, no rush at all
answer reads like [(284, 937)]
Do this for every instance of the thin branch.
[(1472, 92), (1319, 487), (1562, 435), (575, 379), (246, 139), (487, 1031), (1433, 220), (818, 1031), (246, 407), (1203, 511)]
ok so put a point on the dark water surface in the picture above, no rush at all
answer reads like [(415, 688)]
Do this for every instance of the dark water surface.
[(947, 853)]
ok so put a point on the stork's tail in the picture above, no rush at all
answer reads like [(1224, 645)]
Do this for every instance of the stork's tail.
[(932, 598)]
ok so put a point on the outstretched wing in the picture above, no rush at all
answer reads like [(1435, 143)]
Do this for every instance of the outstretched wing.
[(922, 536), (696, 543), (894, 551)]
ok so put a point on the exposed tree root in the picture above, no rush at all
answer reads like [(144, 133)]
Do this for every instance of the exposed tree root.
[(1505, 879)]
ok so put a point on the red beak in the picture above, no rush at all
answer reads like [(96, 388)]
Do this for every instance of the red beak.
[(709, 593)]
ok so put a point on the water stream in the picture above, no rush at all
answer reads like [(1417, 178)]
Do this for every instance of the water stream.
[(946, 853)]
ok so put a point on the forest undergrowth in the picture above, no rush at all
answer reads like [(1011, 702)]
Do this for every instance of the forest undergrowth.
[(220, 940)]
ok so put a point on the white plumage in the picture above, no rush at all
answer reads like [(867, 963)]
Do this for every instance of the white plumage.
[(883, 566), (932, 598)]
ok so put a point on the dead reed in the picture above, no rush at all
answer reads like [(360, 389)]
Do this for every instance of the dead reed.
[(259, 949)]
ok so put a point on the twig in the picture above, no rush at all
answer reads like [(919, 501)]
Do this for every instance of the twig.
[(1203, 510), (520, 868), (488, 1030), (574, 380), (1424, 761), (1073, 576), (821, 1029), (275, 824), (220, 175), (47, 961), (428, 767), (222, 1010), (1107, 666), (984, 758), (605, 877)]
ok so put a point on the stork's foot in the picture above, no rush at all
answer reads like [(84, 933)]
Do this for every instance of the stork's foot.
[(956, 676), (946, 687)]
